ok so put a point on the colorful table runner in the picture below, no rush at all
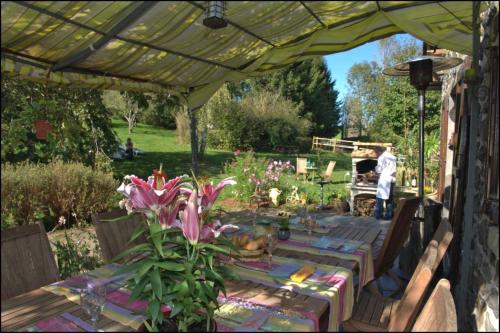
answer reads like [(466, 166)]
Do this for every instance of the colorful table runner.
[(362, 255), (330, 283), (235, 314)]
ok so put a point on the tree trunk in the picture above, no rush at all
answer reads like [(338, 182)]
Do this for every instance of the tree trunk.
[(194, 140), (203, 143)]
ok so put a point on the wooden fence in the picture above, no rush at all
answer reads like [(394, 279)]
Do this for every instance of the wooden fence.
[(334, 144)]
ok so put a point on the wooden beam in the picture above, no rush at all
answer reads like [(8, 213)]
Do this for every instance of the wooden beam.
[(312, 13), (119, 27)]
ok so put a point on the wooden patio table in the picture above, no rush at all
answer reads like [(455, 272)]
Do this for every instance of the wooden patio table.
[(23, 311)]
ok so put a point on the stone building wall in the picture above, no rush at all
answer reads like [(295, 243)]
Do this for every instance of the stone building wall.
[(477, 297)]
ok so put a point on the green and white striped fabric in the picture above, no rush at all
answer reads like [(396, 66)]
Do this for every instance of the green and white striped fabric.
[(163, 46)]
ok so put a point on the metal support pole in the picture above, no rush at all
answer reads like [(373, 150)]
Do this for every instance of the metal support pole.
[(421, 111), (321, 197)]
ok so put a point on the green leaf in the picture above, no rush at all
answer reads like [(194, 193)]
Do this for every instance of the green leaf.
[(214, 248), (138, 231), (214, 276), (210, 260), (138, 289), (176, 309), (156, 282), (138, 248), (155, 232), (145, 267), (182, 288), (171, 266), (121, 218), (154, 309), (128, 268)]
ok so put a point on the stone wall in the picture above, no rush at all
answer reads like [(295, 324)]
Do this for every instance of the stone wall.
[(477, 293)]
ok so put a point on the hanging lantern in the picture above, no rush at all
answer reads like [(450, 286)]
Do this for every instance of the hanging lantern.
[(215, 15), (42, 128)]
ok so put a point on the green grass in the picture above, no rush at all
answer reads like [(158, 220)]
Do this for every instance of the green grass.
[(160, 146)]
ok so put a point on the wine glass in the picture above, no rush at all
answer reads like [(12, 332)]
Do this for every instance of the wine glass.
[(310, 224), (270, 248), (92, 300), (255, 211)]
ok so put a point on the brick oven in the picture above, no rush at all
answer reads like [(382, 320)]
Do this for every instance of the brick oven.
[(364, 180), (363, 185)]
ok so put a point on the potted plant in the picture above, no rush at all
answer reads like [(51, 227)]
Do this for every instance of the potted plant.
[(177, 272), (284, 228), (42, 128)]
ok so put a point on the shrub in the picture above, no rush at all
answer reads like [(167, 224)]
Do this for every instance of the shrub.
[(75, 257), (30, 191), (262, 121)]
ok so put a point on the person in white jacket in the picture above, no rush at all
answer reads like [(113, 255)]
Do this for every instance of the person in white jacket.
[(386, 168)]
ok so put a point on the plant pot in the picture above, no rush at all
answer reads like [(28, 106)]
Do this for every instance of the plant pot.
[(42, 128), (283, 234), (170, 326)]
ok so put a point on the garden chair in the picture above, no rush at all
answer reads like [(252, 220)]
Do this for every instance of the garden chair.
[(326, 178), (375, 313), (114, 231), (397, 234), (439, 313), (301, 167), (327, 175), (27, 260)]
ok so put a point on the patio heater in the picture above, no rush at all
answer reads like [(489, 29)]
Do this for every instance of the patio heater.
[(421, 72)]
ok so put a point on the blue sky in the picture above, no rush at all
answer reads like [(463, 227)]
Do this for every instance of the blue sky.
[(339, 63)]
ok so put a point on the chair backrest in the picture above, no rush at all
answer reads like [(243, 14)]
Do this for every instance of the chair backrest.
[(398, 232), (301, 165), (114, 231), (439, 313), (329, 170), (27, 260), (404, 315)]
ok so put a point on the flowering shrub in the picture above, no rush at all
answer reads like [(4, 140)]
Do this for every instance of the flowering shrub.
[(179, 269), (251, 175)]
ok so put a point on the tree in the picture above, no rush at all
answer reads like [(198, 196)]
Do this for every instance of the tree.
[(127, 105), (161, 111), (309, 85), (80, 123), (364, 85)]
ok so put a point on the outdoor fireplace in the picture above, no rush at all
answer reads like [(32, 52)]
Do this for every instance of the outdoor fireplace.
[(363, 182)]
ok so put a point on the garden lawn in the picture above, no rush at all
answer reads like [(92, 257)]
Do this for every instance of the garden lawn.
[(160, 147)]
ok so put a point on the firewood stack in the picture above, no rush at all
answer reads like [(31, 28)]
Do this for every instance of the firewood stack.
[(364, 204)]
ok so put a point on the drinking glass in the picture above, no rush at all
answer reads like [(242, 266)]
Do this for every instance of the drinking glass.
[(310, 225), (92, 300), (270, 248), (255, 211)]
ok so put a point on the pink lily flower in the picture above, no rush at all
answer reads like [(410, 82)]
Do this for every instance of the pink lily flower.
[(208, 193), (145, 196), (189, 217), (168, 214), (209, 231)]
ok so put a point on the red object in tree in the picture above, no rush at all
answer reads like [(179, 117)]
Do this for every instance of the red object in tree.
[(42, 129)]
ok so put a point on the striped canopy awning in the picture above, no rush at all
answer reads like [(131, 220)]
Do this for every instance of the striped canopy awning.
[(164, 46)]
